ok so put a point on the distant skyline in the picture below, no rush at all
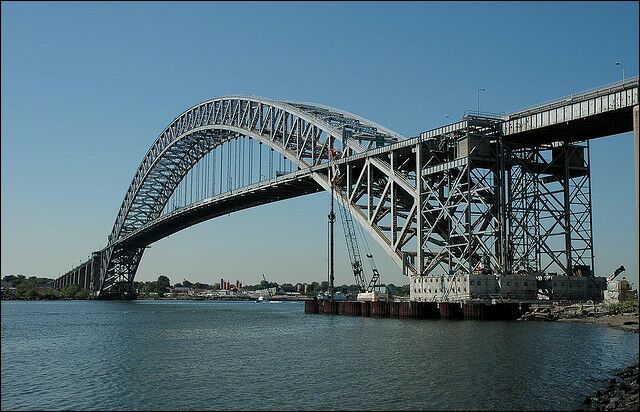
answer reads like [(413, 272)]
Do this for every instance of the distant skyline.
[(86, 87)]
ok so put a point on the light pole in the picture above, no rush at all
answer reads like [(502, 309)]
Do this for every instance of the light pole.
[(479, 90), (620, 64)]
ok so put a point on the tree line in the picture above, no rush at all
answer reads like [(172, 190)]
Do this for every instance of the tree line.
[(33, 287), (21, 287)]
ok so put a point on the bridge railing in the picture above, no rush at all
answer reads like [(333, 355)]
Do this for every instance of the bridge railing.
[(606, 89)]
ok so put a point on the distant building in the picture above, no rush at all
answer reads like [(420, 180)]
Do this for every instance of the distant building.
[(182, 291), (227, 285)]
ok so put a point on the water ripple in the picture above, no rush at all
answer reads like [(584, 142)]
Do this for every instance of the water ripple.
[(171, 355)]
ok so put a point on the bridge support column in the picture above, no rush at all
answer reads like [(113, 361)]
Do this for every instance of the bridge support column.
[(94, 278), (87, 276), (83, 274)]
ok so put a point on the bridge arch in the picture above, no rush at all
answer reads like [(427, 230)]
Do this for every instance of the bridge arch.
[(303, 133)]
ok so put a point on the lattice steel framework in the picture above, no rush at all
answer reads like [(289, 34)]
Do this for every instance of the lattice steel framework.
[(302, 133), (550, 208), (455, 201), (503, 195), (460, 190)]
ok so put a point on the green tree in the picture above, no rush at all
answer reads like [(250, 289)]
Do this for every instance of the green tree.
[(26, 287), (82, 294), (163, 284), (137, 286), (50, 293), (69, 292), (148, 287), (31, 294), (313, 289)]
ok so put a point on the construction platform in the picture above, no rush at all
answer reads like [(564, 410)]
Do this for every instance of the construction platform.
[(421, 310)]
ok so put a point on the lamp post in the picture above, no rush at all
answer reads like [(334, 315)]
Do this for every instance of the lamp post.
[(620, 64), (479, 90)]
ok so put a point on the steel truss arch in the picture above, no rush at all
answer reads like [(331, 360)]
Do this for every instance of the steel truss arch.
[(303, 134)]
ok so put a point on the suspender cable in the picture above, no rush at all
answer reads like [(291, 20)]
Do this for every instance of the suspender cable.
[(213, 172), (242, 173), (260, 162), (229, 167), (250, 159), (197, 176), (237, 164), (203, 176), (238, 161), (270, 163), (206, 174)]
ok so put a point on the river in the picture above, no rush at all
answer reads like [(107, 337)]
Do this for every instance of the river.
[(197, 355)]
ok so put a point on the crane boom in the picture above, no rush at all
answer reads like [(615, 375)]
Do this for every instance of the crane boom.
[(352, 245), (348, 226), (616, 273), (351, 239), (266, 285)]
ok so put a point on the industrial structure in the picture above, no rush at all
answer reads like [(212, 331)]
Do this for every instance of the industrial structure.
[(619, 290), (486, 207)]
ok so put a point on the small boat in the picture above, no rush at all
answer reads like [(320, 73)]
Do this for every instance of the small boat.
[(262, 299)]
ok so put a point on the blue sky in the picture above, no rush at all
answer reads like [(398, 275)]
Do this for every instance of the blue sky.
[(87, 87)]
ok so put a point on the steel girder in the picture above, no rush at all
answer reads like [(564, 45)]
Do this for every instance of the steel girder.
[(302, 133), (550, 208), (461, 189)]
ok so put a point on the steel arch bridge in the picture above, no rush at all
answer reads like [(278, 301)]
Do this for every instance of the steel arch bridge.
[(302, 133), (447, 200)]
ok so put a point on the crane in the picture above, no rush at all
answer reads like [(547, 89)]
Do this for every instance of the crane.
[(350, 235), (266, 285)]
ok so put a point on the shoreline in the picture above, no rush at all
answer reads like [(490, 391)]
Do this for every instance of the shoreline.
[(626, 321), (620, 389)]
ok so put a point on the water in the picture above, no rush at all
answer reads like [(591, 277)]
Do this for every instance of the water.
[(195, 355)]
